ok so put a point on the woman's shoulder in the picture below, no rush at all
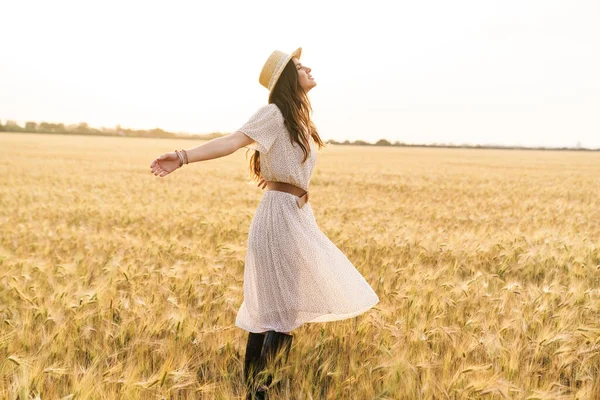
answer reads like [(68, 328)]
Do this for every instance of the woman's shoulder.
[(271, 110), (271, 107)]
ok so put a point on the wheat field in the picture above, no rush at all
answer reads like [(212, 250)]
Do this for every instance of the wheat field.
[(117, 284)]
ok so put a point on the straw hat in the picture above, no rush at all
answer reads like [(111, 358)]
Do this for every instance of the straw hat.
[(274, 66)]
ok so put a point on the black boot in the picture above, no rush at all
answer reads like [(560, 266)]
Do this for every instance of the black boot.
[(252, 361), (276, 349)]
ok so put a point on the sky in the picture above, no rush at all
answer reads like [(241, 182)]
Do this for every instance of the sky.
[(508, 72)]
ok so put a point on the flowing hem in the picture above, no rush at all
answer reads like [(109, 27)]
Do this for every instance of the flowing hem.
[(328, 317)]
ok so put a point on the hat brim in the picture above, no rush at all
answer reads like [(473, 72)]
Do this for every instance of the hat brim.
[(296, 53)]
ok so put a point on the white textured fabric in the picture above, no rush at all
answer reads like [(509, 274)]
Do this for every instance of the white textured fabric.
[(293, 272)]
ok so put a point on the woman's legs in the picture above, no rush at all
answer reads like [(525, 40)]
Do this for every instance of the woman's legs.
[(276, 349), (263, 349), (252, 362)]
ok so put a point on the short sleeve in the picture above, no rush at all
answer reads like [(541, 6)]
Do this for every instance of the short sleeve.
[(263, 127)]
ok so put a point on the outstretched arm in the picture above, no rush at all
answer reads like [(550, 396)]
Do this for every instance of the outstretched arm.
[(218, 147), (214, 148)]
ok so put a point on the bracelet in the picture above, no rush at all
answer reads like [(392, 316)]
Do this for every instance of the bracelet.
[(185, 157), (180, 158)]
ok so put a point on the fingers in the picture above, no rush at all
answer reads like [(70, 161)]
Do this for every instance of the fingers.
[(155, 162), (157, 170), (155, 167)]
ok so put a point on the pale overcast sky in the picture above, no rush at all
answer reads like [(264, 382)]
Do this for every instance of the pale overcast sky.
[(512, 72)]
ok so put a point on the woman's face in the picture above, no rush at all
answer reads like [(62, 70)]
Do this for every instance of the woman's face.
[(306, 80)]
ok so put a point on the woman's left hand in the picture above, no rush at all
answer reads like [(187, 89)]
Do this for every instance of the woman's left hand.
[(165, 164)]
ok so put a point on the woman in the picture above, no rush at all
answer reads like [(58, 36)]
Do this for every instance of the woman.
[(293, 273)]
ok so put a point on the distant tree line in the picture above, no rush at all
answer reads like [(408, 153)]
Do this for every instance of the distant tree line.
[(84, 129), (384, 142)]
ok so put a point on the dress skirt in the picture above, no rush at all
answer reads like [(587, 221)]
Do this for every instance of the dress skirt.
[(293, 273)]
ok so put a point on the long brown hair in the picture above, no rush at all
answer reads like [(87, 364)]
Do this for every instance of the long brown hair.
[(295, 107)]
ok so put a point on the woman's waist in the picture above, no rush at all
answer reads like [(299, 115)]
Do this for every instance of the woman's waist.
[(286, 187), (300, 193)]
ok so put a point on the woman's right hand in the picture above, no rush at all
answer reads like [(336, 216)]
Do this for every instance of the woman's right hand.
[(165, 164)]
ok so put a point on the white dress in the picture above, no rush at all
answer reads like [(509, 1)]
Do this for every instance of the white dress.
[(293, 273)]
